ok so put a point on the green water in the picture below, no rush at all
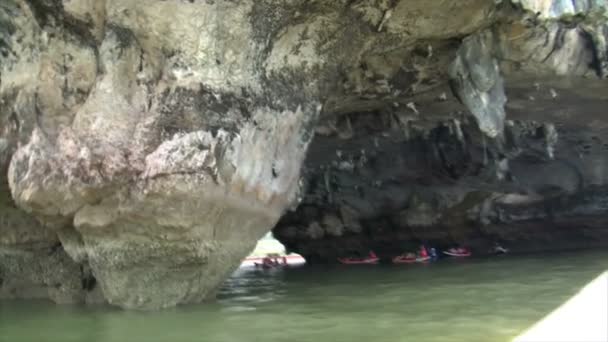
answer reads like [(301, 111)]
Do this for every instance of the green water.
[(454, 300)]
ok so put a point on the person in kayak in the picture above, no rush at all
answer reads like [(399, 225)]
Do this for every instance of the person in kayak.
[(267, 262), (423, 252), (498, 249), (433, 253)]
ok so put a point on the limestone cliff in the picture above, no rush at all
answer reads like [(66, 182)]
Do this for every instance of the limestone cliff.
[(148, 145)]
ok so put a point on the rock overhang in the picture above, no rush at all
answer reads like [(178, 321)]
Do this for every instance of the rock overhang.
[(148, 142)]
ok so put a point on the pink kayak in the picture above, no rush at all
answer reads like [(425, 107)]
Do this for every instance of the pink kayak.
[(354, 261), (409, 260)]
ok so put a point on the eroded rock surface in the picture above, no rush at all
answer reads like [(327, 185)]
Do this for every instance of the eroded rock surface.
[(148, 145), (514, 152)]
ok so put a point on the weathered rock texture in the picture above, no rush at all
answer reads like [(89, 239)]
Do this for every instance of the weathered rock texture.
[(148, 145), (514, 151), (151, 146)]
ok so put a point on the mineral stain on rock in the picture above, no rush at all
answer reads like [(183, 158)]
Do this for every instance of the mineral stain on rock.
[(145, 147)]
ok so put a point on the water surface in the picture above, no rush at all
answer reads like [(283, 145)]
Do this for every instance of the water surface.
[(453, 300)]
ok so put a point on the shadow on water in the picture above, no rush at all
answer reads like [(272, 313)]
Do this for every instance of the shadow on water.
[(453, 300)]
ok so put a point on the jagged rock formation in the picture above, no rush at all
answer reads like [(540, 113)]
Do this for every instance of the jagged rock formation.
[(155, 142)]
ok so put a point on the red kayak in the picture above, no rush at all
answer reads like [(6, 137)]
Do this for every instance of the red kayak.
[(458, 252), (354, 261), (371, 259), (409, 260)]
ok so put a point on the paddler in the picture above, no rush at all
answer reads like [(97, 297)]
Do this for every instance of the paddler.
[(423, 253)]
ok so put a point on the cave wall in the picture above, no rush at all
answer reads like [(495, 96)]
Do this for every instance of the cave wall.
[(146, 146), (512, 150), (390, 188)]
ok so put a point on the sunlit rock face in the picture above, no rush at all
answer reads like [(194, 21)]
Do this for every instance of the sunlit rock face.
[(150, 146), (146, 146)]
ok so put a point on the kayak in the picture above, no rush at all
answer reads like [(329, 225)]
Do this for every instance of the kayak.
[(458, 255), (409, 260), (351, 261), (258, 262), (500, 250)]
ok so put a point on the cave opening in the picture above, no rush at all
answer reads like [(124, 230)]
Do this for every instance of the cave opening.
[(376, 180), (404, 174)]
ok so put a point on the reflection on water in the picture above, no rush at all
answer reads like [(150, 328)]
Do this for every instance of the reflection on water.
[(454, 300)]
